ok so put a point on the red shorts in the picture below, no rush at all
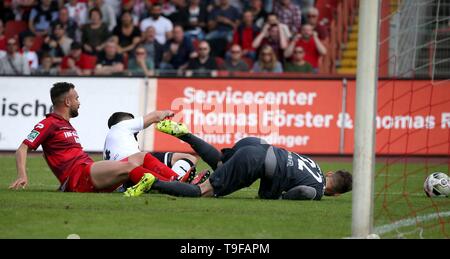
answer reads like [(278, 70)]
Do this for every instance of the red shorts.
[(80, 180)]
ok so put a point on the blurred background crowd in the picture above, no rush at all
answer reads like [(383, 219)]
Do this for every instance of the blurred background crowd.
[(160, 37)]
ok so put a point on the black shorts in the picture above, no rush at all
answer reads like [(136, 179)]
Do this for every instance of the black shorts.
[(243, 168), (164, 157)]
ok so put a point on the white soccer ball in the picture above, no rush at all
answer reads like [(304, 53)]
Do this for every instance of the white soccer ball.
[(437, 184)]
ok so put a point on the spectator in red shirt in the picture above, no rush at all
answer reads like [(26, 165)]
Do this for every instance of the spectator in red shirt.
[(313, 19), (76, 63), (245, 34), (309, 41), (75, 170)]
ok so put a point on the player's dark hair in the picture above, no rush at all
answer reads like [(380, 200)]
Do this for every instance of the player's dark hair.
[(343, 181), (59, 90), (118, 117)]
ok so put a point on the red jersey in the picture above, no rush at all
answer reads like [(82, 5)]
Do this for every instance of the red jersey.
[(83, 62), (312, 55), (61, 145)]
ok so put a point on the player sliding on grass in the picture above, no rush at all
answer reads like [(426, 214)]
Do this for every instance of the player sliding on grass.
[(283, 174), (75, 170), (121, 142)]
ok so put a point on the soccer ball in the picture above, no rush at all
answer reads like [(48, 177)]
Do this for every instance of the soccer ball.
[(437, 184)]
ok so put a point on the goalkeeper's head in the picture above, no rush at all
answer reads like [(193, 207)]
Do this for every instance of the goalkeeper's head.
[(338, 182)]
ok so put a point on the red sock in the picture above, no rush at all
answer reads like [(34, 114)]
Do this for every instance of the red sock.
[(154, 165), (136, 174), (161, 177)]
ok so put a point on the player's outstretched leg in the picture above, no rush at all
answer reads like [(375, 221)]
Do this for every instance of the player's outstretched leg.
[(141, 187), (177, 188), (206, 151), (158, 168)]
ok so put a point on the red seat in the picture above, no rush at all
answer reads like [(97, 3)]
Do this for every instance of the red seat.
[(13, 28)]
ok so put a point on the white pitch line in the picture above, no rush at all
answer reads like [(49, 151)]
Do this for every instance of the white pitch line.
[(409, 222)]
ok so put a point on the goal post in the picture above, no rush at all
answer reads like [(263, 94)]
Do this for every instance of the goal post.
[(365, 114), (402, 119)]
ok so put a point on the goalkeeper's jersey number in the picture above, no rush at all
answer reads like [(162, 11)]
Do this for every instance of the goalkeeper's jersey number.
[(306, 164)]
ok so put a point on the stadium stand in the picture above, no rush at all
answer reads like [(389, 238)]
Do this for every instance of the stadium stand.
[(339, 18)]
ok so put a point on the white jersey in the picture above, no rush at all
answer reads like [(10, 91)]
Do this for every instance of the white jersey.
[(120, 141)]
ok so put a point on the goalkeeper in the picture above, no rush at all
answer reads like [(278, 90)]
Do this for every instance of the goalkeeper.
[(283, 174)]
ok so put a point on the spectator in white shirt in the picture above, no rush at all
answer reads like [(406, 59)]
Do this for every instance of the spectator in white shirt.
[(162, 25), (29, 54), (78, 11), (13, 63)]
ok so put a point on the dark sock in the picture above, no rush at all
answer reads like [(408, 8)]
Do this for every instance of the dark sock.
[(205, 150), (177, 188)]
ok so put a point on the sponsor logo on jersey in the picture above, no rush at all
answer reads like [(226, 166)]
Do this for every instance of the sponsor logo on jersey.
[(39, 126), (69, 134), (33, 135), (72, 134)]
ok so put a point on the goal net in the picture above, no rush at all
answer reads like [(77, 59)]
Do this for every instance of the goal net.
[(413, 118)]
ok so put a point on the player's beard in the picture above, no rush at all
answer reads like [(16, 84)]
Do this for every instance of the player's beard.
[(73, 113)]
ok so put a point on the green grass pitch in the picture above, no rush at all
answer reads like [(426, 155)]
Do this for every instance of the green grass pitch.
[(41, 212)]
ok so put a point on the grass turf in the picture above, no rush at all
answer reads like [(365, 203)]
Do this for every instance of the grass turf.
[(41, 212)]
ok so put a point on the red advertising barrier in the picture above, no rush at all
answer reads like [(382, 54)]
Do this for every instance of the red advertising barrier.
[(305, 115)]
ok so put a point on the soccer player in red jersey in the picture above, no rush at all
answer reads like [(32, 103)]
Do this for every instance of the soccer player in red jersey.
[(75, 170)]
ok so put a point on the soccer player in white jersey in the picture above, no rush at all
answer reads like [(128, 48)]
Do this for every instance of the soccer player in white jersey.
[(121, 142)]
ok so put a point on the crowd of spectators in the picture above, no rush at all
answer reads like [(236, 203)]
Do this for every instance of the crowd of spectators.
[(157, 37)]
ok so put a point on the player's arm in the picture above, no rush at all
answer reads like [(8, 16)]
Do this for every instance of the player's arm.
[(36, 137), (21, 165), (137, 124), (156, 116), (301, 192)]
